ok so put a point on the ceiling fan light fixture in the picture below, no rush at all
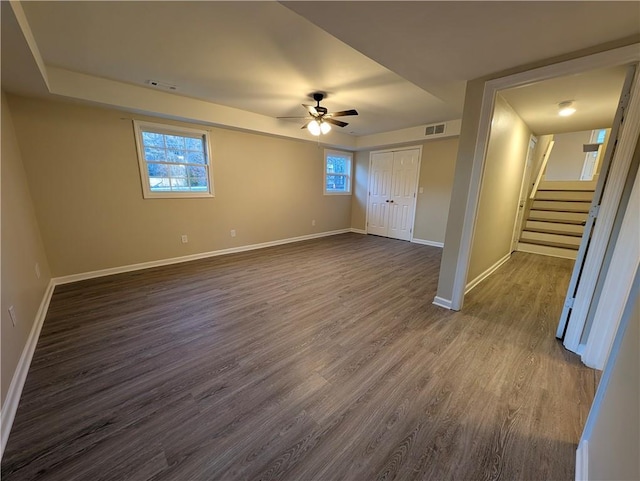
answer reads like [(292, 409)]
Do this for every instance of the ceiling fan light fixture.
[(325, 128), (566, 108), (314, 127)]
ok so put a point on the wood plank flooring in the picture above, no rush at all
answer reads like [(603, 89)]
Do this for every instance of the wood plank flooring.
[(321, 360)]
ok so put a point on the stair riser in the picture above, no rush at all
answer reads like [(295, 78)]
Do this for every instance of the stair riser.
[(557, 228), (567, 185), (572, 196), (549, 205), (559, 216), (551, 238), (547, 251)]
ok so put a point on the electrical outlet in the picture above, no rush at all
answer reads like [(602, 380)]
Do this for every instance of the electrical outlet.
[(12, 315), (421, 190), (233, 232), (37, 270), (313, 222), (184, 238)]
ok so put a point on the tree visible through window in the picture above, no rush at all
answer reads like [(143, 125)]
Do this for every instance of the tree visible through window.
[(337, 178), (174, 161)]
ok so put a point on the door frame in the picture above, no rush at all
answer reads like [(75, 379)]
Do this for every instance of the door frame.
[(610, 58), (415, 197), (605, 204)]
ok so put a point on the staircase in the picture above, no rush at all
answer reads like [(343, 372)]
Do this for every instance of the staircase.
[(556, 218)]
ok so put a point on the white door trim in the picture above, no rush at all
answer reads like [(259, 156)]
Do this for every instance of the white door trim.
[(615, 182), (415, 197), (617, 284), (610, 58)]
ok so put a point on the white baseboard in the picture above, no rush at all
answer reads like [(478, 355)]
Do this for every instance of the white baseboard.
[(358, 231), (487, 273), (427, 242), (582, 461), (442, 302), (8, 413), (203, 255)]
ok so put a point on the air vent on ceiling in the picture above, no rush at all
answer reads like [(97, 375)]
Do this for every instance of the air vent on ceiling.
[(434, 129), (161, 85)]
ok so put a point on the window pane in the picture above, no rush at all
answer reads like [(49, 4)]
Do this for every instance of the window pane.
[(158, 170), (151, 139), (194, 144), (179, 183), (175, 156), (178, 171), (196, 171), (152, 154), (195, 158), (174, 142), (158, 184), (337, 165), (337, 183), (199, 184)]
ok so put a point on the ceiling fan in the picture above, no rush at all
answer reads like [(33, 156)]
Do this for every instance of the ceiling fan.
[(322, 119)]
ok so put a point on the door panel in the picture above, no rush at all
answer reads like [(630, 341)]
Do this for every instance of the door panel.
[(379, 192), (402, 199)]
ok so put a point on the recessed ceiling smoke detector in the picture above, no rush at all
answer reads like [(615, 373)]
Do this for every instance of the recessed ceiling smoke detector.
[(566, 108), (161, 85)]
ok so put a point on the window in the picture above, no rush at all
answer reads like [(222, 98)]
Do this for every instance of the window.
[(337, 172), (174, 161)]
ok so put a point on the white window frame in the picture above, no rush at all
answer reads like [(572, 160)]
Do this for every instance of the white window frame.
[(349, 176), (142, 126)]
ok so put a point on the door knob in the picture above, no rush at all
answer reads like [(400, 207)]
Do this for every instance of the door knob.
[(387, 200), (391, 201)]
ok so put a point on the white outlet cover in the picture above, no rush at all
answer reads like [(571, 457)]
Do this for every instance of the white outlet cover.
[(12, 315), (233, 232), (185, 239), (37, 270)]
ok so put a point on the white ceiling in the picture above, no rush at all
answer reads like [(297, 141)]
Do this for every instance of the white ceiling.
[(401, 64), (594, 94)]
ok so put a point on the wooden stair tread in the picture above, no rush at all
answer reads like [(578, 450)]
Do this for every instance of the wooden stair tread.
[(557, 221)]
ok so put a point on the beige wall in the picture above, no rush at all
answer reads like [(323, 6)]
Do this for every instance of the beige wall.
[(567, 158), (83, 172), (436, 179), (613, 425), (360, 189), (21, 249), (500, 190), (538, 156)]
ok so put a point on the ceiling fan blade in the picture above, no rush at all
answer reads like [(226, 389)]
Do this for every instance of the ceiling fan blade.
[(344, 113), (307, 123), (339, 123), (312, 110), (298, 118)]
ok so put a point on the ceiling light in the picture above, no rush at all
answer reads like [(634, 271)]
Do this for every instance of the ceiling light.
[(325, 127), (314, 127), (566, 108), (317, 127)]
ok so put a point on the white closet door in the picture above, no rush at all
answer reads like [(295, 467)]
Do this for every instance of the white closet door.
[(379, 193), (403, 192)]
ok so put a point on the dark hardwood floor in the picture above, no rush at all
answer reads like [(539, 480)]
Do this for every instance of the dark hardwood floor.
[(321, 360)]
